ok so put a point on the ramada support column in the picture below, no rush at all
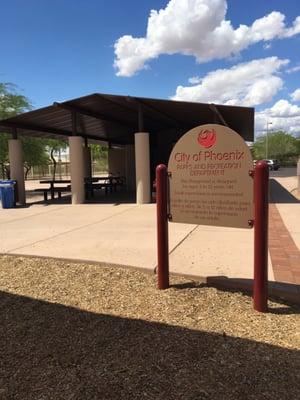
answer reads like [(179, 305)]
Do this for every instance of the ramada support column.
[(87, 160), (77, 169), (76, 165), (17, 167), (142, 167)]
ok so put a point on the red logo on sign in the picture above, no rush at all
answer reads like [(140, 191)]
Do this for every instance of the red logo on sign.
[(207, 138)]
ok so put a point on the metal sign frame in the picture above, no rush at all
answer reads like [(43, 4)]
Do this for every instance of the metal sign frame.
[(261, 207)]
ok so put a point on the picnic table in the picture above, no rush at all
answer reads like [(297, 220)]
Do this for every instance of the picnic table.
[(52, 189), (109, 182), (112, 180)]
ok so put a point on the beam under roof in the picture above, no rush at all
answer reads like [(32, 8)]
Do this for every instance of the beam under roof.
[(136, 110), (39, 128), (116, 103), (31, 127), (96, 115), (215, 110), (173, 120)]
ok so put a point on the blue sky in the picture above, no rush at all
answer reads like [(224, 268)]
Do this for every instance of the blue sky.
[(194, 50)]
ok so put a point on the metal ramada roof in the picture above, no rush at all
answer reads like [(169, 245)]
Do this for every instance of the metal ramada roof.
[(115, 118)]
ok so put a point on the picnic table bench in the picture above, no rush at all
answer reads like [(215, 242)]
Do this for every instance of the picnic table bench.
[(52, 190), (108, 183), (90, 187)]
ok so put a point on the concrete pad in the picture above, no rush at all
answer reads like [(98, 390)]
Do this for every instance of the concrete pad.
[(290, 213), (127, 238), (13, 214), (20, 233), (216, 251), (126, 234)]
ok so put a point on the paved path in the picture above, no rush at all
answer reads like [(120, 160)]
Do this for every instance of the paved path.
[(284, 227), (285, 255)]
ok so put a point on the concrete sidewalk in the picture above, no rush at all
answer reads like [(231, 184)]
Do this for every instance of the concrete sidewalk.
[(125, 234)]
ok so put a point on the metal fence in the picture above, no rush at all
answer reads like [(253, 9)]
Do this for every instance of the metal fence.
[(62, 171)]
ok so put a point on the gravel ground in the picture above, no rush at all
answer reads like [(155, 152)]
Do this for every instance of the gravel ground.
[(79, 331)]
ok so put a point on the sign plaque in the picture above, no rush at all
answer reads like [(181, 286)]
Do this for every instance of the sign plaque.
[(209, 178)]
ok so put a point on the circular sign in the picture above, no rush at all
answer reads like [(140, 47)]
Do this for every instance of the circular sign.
[(209, 178)]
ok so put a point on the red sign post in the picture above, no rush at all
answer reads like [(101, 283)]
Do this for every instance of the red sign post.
[(261, 211), (162, 226)]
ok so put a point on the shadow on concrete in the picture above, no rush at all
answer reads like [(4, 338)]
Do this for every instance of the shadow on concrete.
[(278, 194), (50, 351)]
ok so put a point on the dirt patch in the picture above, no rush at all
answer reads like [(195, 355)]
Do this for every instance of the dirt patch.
[(78, 331)]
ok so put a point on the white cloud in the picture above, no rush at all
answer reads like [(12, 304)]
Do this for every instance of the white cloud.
[(284, 109), (197, 28), (281, 116), (249, 84), (293, 69), (295, 96), (294, 30), (267, 46), (194, 80)]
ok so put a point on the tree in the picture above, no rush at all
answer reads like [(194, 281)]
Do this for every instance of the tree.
[(34, 149), (11, 104), (100, 155), (35, 154), (281, 146), (4, 155), (54, 146)]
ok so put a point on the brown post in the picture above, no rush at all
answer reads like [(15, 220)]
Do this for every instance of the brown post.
[(298, 175), (261, 211), (162, 226)]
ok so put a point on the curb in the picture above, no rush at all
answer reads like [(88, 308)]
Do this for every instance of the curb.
[(279, 290)]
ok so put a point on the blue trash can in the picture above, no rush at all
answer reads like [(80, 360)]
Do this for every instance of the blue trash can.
[(1, 181), (7, 190), (6, 181)]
